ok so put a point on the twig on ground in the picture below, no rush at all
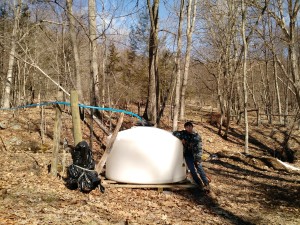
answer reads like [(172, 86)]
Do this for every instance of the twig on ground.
[(3, 144)]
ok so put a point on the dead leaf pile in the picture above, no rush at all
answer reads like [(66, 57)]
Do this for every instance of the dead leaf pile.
[(244, 190)]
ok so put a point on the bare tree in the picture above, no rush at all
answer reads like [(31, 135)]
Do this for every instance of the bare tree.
[(74, 47), (221, 19), (245, 88), (153, 88), (178, 68), (191, 17), (280, 11), (274, 61), (93, 52), (9, 76)]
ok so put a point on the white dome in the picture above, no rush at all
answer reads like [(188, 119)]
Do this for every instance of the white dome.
[(146, 155)]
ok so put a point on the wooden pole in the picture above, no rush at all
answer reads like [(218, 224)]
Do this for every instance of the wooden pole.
[(56, 140), (75, 118), (100, 165)]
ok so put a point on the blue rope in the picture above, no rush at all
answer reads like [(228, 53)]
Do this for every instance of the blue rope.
[(80, 105)]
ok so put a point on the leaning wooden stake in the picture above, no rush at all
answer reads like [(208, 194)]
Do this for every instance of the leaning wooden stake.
[(100, 165), (56, 140), (75, 118)]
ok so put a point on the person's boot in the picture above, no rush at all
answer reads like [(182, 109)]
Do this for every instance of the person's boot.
[(206, 188)]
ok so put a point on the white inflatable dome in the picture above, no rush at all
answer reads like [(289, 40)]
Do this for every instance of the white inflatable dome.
[(146, 155)]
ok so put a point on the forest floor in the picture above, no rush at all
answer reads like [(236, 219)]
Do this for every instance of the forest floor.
[(245, 189)]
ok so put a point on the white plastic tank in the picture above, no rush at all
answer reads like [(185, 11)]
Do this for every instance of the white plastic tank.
[(146, 155)]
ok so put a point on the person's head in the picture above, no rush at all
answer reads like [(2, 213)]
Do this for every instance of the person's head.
[(188, 126)]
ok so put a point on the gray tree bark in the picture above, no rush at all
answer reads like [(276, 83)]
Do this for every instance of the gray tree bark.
[(74, 48), (11, 61), (246, 149), (191, 17), (151, 109), (56, 141), (178, 68), (93, 52)]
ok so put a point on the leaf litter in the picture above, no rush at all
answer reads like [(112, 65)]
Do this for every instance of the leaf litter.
[(243, 190)]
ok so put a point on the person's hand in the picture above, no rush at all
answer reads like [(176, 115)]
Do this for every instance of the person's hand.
[(197, 163), (183, 141)]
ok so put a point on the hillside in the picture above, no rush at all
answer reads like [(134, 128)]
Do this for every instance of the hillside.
[(253, 189)]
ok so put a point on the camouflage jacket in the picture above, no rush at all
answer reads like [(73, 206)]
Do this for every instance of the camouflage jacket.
[(193, 143)]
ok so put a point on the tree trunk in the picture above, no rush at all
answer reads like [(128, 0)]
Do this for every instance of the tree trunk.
[(103, 91), (77, 133), (42, 124), (152, 100), (245, 76), (292, 48), (286, 104), (277, 91), (220, 96), (240, 103), (9, 76), (74, 48), (56, 140), (269, 96), (256, 105), (178, 68), (93, 52), (189, 32)]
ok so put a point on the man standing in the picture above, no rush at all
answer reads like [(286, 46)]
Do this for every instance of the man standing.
[(192, 148)]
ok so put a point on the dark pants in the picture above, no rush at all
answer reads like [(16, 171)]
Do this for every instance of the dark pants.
[(195, 170)]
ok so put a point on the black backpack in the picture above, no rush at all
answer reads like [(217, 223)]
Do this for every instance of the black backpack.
[(81, 173)]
